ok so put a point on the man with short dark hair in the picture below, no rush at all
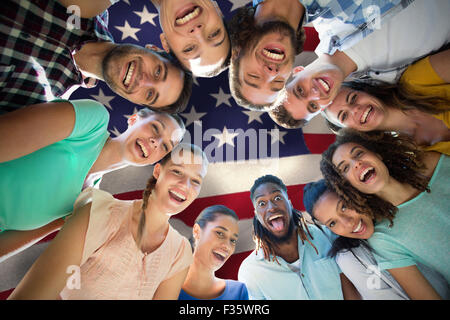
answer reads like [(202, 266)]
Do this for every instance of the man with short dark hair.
[(290, 261), (266, 38), (46, 52)]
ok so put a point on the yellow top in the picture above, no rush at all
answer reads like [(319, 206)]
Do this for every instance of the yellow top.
[(422, 79)]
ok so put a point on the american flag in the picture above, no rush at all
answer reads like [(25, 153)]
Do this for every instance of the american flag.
[(216, 123)]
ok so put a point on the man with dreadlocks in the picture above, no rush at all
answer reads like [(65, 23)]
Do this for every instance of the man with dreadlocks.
[(291, 260)]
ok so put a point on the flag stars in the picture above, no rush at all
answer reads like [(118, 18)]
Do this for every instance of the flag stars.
[(226, 137), (277, 135), (221, 98), (192, 116), (103, 99), (128, 31), (253, 116), (146, 16)]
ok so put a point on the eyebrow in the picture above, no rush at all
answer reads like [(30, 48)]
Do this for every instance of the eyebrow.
[(351, 152), (225, 229)]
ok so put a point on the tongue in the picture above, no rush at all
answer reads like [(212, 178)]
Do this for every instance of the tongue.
[(278, 224)]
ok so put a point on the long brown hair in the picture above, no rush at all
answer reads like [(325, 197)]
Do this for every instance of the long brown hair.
[(400, 155)]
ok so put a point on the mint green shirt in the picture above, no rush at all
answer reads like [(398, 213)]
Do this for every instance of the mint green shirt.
[(42, 186), (421, 231)]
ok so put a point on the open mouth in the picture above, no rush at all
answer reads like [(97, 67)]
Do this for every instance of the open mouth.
[(276, 222), (177, 196), (324, 85), (367, 174), (187, 15), (275, 54), (220, 256), (143, 148), (360, 228), (129, 74), (366, 114)]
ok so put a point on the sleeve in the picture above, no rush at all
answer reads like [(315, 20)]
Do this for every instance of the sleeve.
[(101, 223), (388, 253), (91, 119), (182, 259), (244, 293), (245, 275)]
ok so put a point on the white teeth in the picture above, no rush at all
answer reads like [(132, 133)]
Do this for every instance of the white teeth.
[(358, 227), (223, 255), (275, 217), (365, 115), (324, 85), (361, 177), (143, 148), (129, 74), (178, 195), (188, 17), (271, 55)]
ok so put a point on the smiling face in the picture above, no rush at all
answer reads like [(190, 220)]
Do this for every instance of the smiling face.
[(142, 76), (178, 184), (312, 89), (216, 242), (363, 169), (273, 210), (147, 140), (357, 110), (195, 33), (331, 211), (265, 66)]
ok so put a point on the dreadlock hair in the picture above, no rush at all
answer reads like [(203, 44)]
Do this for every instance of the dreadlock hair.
[(151, 183), (399, 154), (262, 236), (398, 96), (284, 119)]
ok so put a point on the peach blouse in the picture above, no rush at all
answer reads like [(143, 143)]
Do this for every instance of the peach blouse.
[(112, 266)]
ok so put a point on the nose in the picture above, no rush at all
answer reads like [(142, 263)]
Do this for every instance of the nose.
[(145, 80), (271, 69), (271, 206), (347, 220), (196, 28), (154, 143), (314, 93)]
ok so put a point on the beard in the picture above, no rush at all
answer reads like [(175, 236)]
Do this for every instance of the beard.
[(277, 240), (110, 65)]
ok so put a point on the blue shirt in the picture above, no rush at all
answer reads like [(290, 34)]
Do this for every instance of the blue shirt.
[(355, 19), (234, 290), (316, 279), (421, 230)]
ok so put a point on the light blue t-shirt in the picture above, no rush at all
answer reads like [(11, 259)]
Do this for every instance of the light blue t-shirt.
[(234, 290), (316, 278), (42, 186), (421, 230)]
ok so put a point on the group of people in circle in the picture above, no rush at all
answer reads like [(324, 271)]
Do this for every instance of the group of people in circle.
[(375, 227)]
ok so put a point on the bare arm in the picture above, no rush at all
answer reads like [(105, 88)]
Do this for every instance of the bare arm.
[(441, 64), (170, 289), (88, 8), (348, 289), (414, 283), (14, 241), (29, 129), (48, 275)]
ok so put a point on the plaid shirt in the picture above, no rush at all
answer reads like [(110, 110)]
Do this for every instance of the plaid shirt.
[(36, 48), (342, 23)]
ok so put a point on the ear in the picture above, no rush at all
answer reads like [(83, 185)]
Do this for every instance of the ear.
[(132, 120), (157, 171), (298, 69), (196, 232), (153, 47), (164, 42)]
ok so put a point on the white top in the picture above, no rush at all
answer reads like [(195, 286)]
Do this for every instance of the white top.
[(423, 27), (365, 275)]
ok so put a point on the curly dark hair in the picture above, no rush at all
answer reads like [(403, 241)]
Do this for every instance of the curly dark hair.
[(400, 155)]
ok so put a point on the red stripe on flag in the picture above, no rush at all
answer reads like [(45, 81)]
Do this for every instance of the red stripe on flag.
[(318, 143), (5, 294), (312, 39), (230, 269)]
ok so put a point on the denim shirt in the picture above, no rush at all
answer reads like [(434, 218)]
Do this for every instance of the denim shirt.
[(360, 18), (316, 279)]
